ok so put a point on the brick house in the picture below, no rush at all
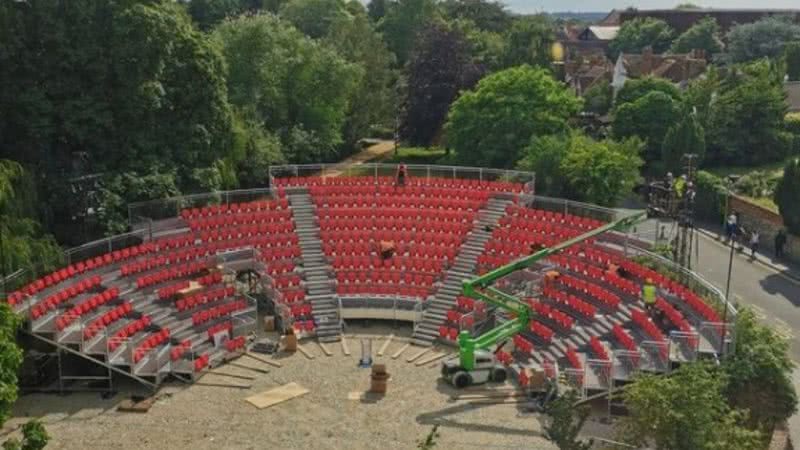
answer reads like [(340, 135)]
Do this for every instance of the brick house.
[(682, 19), (678, 68)]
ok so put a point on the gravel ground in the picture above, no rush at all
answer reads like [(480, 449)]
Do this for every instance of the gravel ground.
[(201, 417)]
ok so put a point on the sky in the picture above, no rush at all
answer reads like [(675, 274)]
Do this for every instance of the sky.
[(532, 6)]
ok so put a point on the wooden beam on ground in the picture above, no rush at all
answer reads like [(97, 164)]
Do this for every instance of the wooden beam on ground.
[(225, 385), (324, 349), (489, 396), (231, 375), (414, 357), (242, 366), (385, 344), (431, 358), (345, 347), (263, 360), (400, 351), (277, 395), (305, 352)]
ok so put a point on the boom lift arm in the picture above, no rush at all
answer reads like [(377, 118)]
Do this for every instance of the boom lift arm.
[(480, 288)]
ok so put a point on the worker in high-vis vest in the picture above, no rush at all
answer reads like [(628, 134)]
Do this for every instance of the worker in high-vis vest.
[(649, 294)]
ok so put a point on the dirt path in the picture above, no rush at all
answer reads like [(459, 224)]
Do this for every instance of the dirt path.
[(370, 153)]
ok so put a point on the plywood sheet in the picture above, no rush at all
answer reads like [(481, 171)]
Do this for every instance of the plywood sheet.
[(278, 395)]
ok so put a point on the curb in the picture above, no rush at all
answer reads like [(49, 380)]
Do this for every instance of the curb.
[(793, 276)]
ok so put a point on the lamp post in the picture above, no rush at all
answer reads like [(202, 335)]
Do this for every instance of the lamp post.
[(732, 243)]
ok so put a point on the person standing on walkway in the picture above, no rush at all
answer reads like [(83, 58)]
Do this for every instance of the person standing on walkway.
[(780, 242), (730, 226), (649, 295), (754, 238)]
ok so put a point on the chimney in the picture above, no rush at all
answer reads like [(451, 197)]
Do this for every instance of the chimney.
[(647, 60)]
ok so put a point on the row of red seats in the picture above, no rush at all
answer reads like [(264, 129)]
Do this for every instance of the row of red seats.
[(504, 358), (469, 304), (651, 329), (287, 281), (155, 262), (219, 328), (598, 348), (280, 253), (395, 263), (674, 316), (460, 319), (388, 277), (413, 189), (301, 310), (370, 238), (106, 319), (235, 208), (201, 362), (368, 260), (545, 310), (216, 312), (201, 298), (456, 183), (234, 344), (394, 217), (62, 296), (174, 242), (517, 227), (623, 337), (603, 257), (155, 340), (169, 291), (522, 345), (623, 284), (408, 201), (85, 307), (293, 296), (573, 358), (594, 291), (269, 236), (446, 332), (542, 331), (383, 289), (179, 350), (228, 220), (211, 278), (541, 215), (443, 248), (280, 267), (307, 326), (574, 303), (174, 272), (404, 233), (128, 331)]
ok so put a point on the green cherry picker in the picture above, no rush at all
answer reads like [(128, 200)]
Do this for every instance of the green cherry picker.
[(476, 364)]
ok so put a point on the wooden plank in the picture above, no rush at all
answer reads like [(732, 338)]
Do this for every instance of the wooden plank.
[(385, 344), (263, 360), (324, 349), (489, 396), (345, 347), (400, 351), (230, 375), (422, 352), (242, 366), (277, 395), (225, 385), (305, 352), (431, 358)]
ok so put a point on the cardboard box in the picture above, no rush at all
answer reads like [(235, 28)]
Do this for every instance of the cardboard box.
[(537, 378), (269, 323)]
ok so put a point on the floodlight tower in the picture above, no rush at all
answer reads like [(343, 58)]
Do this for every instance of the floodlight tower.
[(684, 214)]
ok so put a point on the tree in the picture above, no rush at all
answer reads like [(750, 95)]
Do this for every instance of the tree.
[(490, 125), (700, 95), (529, 41), (315, 18), (374, 102), (544, 156), (648, 118), (765, 38), (439, 68), (376, 9), (703, 35), (601, 171), (34, 437), (598, 98), (759, 372), (403, 20), (684, 410), (486, 15), (786, 195), (746, 120), (634, 35), (637, 88), (685, 137), (272, 68), (208, 13), (792, 56), (566, 422)]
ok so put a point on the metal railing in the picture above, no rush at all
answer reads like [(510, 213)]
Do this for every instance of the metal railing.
[(106, 245)]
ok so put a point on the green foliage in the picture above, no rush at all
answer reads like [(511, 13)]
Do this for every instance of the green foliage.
[(417, 155), (491, 125), (759, 373), (745, 126), (34, 437), (634, 35), (602, 171), (598, 98), (700, 94), (791, 54), (488, 49), (403, 20), (10, 360), (121, 189), (272, 68), (702, 35), (757, 184), (648, 118), (566, 422), (791, 123), (765, 38), (685, 137), (685, 410), (637, 88), (529, 41), (429, 442), (486, 15), (544, 156), (376, 9), (208, 13), (786, 195), (710, 199), (439, 68), (315, 18)]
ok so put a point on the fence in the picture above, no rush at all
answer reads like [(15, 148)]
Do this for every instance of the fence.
[(106, 245)]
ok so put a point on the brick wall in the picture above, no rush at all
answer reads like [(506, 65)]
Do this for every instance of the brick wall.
[(755, 217)]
